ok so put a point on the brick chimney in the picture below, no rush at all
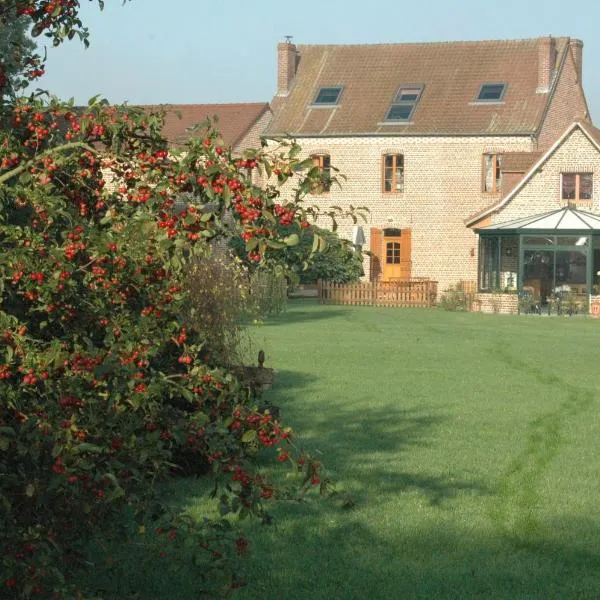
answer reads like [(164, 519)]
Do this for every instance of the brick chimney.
[(287, 57), (546, 62), (576, 48)]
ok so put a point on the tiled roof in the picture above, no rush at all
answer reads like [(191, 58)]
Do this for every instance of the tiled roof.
[(234, 120), (594, 132), (519, 162), (451, 72)]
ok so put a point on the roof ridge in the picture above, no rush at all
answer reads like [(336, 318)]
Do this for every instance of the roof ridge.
[(433, 43), (171, 104)]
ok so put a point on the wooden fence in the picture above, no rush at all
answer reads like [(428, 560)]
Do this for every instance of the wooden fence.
[(417, 293), (469, 289)]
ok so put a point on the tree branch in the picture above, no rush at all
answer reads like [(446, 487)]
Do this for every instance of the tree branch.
[(18, 170)]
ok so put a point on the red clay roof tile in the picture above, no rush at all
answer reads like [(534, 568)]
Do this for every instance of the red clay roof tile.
[(234, 120), (519, 162), (451, 72)]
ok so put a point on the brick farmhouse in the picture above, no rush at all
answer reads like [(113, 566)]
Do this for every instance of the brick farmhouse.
[(447, 142)]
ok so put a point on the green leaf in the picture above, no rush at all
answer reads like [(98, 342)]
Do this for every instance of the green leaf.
[(249, 436), (316, 243), (305, 164), (251, 244), (30, 490), (85, 447), (292, 240), (187, 394), (294, 150), (5, 503), (85, 465), (267, 214), (200, 418), (117, 492)]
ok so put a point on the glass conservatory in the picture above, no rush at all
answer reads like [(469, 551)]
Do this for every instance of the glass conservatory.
[(545, 256)]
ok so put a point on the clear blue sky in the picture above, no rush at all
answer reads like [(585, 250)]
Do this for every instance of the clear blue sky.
[(197, 51)]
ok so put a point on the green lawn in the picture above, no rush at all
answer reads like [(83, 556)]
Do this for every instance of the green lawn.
[(468, 442)]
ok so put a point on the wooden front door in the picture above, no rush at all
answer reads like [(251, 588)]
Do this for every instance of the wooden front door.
[(392, 266), (390, 254)]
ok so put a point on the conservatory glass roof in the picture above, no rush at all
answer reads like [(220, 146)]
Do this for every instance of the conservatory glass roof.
[(560, 220)]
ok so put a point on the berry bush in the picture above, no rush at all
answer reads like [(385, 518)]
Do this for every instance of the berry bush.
[(107, 385)]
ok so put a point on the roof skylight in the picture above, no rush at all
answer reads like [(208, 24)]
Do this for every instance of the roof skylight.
[(404, 103), (328, 96), (491, 92)]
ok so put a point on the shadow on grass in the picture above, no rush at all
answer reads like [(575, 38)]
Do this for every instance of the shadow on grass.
[(428, 564), (366, 450), (288, 380), (365, 447), (297, 315), (317, 549)]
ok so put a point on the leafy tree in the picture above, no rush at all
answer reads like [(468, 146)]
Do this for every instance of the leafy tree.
[(338, 261), (320, 254), (103, 386), (16, 49)]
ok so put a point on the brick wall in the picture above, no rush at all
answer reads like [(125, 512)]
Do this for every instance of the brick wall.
[(442, 187), (253, 136), (287, 57), (568, 101), (546, 62), (506, 304), (542, 192)]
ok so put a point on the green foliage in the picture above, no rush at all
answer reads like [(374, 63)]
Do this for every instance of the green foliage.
[(455, 298), (317, 254), (107, 381), (15, 47), (337, 262), (267, 294), (218, 303)]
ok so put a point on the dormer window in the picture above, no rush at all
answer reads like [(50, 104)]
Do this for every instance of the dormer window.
[(491, 92), (328, 96), (404, 103)]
